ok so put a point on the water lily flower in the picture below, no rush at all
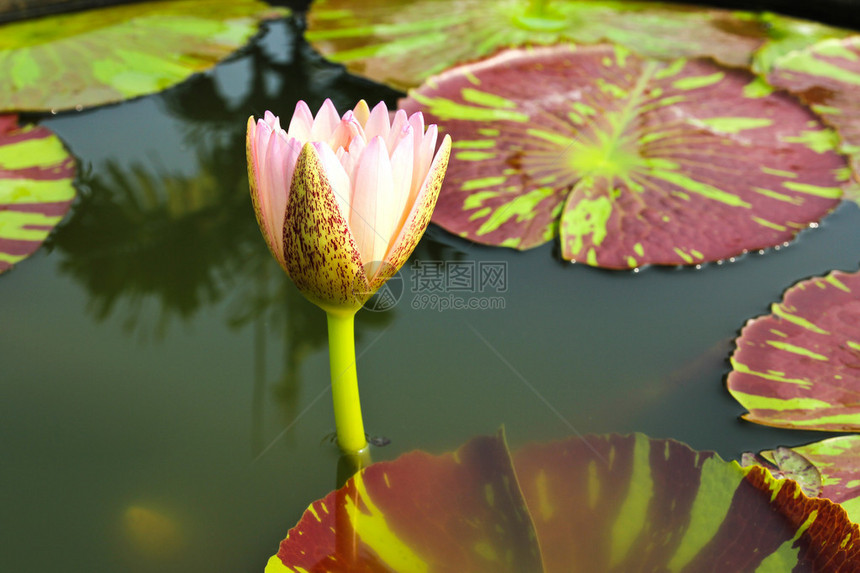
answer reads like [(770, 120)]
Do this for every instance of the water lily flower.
[(342, 203)]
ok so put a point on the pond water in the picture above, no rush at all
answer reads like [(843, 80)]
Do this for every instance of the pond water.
[(165, 388)]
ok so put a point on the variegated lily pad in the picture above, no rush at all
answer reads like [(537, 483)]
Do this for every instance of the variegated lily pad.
[(107, 55), (36, 174), (827, 77), (598, 504), (838, 462), (401, 42), (631, 161), (799, 367)]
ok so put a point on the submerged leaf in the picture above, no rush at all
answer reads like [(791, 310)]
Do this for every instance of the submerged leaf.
[(838, 462), (597, 504), (110, 54), (632, 161), (799, 367), (827, 76), (402, 43), (787, 463), (36, 174)]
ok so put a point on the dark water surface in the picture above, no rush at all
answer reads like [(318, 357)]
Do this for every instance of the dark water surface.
[(165, 388)]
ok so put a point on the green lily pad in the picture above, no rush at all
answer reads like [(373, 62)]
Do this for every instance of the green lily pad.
[(101, 56), (631, 161), (826, 76), (838, 462), (36, 190), (401, 43), (594, 504), (799, 367)]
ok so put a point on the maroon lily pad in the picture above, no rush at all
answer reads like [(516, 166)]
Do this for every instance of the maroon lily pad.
[(799, 367), (404, 42), (604, 503), (119, 52), (827, 76), (36, 174), (631, 161)]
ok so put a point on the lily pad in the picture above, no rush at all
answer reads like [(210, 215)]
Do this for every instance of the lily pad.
[(600, 503), (107, 55), (827, 76), (799, 367), (401, 43), (838, 462), (36, 190), (631, 161)]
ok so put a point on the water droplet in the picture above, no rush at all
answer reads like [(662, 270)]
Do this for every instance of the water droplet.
[(761, 251), (53, 111), (731, 259), (813, 225), (698, 267), (636, 270), (79, 107)]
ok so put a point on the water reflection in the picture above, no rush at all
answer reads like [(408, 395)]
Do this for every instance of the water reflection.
[(150, 237)]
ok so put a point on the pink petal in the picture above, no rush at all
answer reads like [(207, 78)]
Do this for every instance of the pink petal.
[(347, 129), (378, 124), (273, 195), (421, 209), (424, 152), (396, 132), (273, 120), (373, 218), (402, 164), (416, 120), (325, 122), (349, 159), (301, 122)]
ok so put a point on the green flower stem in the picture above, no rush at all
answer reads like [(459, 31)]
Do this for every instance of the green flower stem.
[(344, 382)]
